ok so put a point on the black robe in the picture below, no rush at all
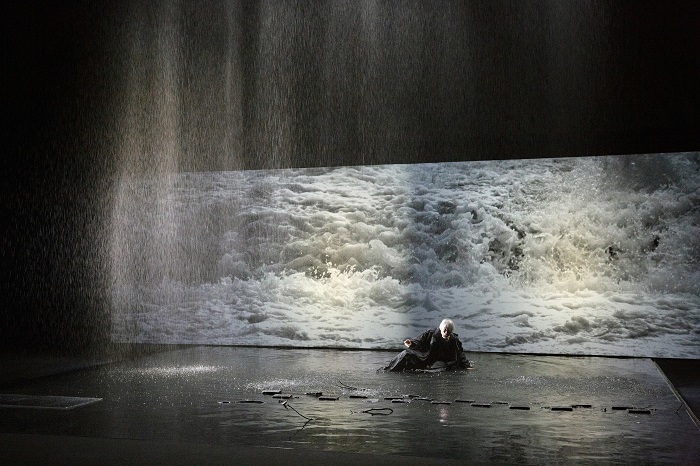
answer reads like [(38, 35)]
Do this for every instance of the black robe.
[(430, 348)]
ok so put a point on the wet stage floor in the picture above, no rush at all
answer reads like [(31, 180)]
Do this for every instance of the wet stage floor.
[(510, 408)]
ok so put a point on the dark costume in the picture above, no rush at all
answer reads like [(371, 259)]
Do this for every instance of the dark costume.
[(430, 348)]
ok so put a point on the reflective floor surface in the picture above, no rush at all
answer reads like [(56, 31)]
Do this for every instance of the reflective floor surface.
[(510, 408)]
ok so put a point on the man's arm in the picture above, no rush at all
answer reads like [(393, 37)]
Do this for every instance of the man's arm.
[(422, 342)]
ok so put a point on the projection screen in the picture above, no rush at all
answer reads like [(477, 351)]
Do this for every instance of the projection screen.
[(589, 256)]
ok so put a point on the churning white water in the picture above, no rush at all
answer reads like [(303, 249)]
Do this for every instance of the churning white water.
[(588, 256)]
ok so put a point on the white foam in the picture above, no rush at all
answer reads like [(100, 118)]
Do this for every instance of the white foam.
[(586, 255)]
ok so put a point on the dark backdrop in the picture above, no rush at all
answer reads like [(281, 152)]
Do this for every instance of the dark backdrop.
[(389, 82)]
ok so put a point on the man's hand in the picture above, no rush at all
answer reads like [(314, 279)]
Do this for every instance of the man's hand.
[(407, 342)]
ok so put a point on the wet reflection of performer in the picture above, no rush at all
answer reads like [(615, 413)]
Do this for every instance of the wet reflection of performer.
[(437, 348)]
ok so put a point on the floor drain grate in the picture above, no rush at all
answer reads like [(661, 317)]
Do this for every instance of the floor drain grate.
[(44, 401)]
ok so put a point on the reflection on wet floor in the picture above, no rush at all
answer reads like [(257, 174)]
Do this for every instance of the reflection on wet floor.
[(510, 408)]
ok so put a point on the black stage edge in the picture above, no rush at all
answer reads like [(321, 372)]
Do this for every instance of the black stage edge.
[(684, 377), (28, 449)]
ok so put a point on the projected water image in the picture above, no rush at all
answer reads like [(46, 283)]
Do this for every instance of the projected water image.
[(591, 255)]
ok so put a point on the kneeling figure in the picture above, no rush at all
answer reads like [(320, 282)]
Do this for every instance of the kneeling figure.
[(436, 348)]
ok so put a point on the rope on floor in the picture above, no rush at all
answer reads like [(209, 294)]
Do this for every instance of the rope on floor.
[(288, 406)]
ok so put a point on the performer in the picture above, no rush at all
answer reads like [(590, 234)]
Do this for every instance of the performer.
[(434, 346)]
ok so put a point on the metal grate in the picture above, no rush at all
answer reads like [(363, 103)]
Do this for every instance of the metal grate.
[(44, 401)]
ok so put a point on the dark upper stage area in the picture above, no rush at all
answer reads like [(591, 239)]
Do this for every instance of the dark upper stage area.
[(406, 82)]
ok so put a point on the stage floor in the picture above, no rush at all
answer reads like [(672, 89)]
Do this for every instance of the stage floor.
[(509, 409)]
